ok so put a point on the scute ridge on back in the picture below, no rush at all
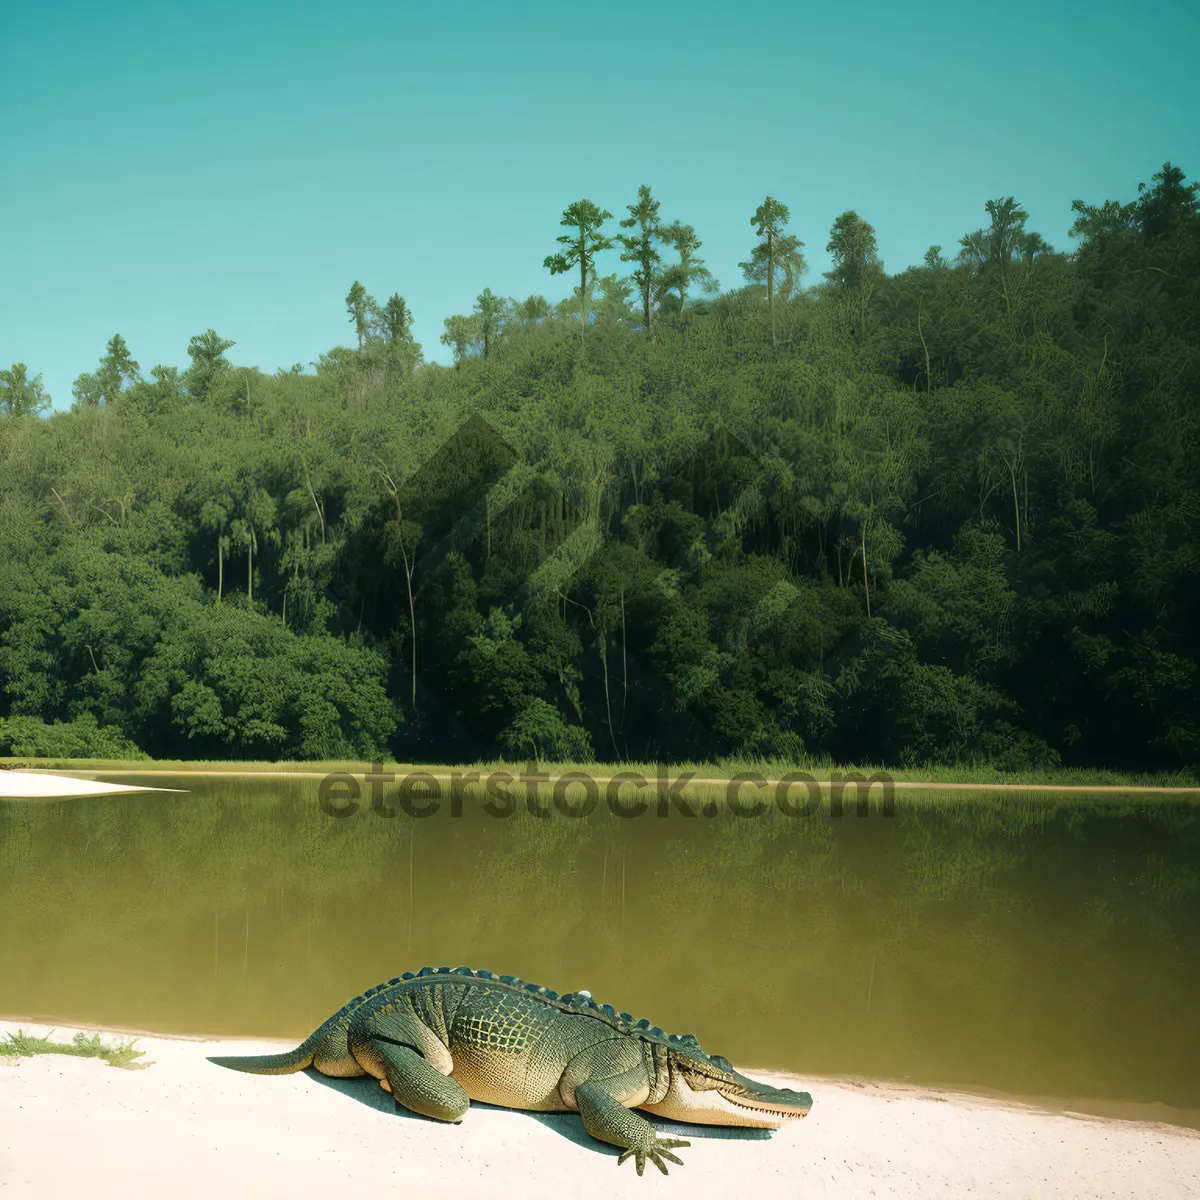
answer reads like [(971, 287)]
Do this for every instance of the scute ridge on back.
[(580, 1001)]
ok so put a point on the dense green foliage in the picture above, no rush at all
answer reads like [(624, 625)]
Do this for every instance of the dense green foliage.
[(31, 737), (949, 515)]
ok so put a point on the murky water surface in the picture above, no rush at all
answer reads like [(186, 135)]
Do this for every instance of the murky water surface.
[(1028, 944)]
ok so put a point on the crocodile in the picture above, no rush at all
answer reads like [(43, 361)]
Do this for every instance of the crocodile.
[(438, 1038)]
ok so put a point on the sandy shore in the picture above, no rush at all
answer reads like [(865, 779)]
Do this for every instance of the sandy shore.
[(464, 772), (186, 1128)]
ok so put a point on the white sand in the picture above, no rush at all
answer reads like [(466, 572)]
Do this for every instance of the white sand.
[(187, 1128), (38, 785)]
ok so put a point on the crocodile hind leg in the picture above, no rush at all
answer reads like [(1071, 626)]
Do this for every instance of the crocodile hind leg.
[(417, 1085), (333, 1057)]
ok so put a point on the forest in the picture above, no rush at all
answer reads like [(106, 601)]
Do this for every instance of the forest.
[(945, 516)]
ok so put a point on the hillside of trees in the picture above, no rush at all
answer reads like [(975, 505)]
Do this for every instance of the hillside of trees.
[(950, 515)]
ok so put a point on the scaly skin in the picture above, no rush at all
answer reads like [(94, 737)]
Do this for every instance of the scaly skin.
[(440, 1038)]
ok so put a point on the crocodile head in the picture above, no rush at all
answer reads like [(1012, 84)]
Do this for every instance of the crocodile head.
[(708, 1091)]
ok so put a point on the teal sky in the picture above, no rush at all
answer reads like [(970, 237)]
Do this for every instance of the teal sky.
[(175, 167)]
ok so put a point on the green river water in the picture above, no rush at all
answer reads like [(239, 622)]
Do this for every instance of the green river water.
[(1034, 945)]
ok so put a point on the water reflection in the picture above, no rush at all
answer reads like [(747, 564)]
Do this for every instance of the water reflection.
[(1032, 945)]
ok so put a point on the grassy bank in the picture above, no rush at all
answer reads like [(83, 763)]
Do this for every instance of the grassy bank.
[(702, 772), (24, 1045)]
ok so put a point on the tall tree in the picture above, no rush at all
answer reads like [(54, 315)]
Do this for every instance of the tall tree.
[(1101, 226), (1168, 203), (487, 314), (214, 519), (104, 385), (87, 390), (117, 367), (790, 266), (934, 259), (856, 266), (207, 352), (582, 248), (462, 332), (19, 394), (1033, 244), (640, 249), (362, 309), (395, 320), (393, 325), (258, 523), (776, 249), (994, 248), (688, 269), (168, 385)]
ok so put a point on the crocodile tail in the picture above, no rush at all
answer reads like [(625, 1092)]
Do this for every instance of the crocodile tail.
[(269, 1064)]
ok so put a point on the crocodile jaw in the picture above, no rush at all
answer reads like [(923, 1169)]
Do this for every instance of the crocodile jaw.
[(765, 1110)]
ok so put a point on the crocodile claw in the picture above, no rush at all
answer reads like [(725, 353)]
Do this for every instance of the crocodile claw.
[(656, 1151)]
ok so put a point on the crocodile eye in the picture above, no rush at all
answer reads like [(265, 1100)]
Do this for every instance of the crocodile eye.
[(723, 1063)]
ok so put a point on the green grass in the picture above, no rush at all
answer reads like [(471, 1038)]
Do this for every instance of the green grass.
[(21, 1045), (724, 768), (721, 768)]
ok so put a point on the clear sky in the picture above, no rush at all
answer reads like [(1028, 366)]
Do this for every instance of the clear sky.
[(173, 167)]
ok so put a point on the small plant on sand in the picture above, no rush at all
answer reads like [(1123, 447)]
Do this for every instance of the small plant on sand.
[(20, 1044)]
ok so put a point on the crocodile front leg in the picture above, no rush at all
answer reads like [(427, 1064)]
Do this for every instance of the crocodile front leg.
[(606, 1118), (605, 1082)]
